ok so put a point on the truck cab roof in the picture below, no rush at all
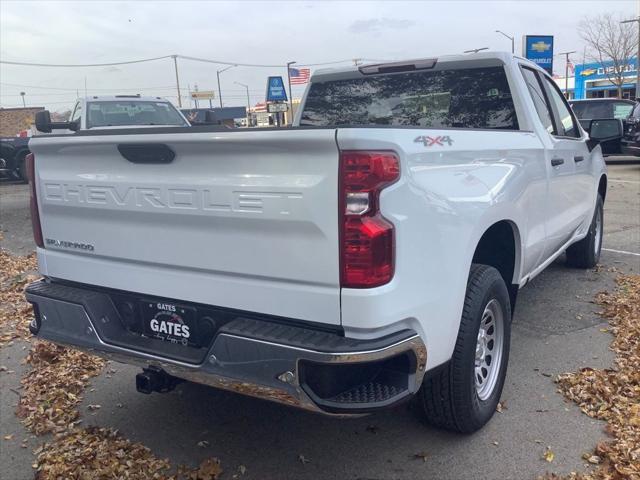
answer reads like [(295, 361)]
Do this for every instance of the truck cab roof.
[(428, 63)]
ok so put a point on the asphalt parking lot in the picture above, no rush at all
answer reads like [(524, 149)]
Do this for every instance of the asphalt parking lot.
[(555, 330)]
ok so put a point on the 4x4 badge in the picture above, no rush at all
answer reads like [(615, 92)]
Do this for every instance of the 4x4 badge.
[(431, 141)]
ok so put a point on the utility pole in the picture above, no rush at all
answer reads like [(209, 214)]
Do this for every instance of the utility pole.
[(24, 104), (290, 97), (175, 64), (248, 103), (357, 61), (85, 87), (513, 44), (637, 20), (218, 72), (566, 72)]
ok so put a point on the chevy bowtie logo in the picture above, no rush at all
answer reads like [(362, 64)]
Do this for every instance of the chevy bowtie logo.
[(540, 46)]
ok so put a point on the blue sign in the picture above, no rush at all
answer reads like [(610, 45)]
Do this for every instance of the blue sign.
[(275, 90), (588, 76), (539, 49)]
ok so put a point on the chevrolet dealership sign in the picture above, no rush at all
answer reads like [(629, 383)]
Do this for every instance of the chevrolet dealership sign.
[(539, 49)]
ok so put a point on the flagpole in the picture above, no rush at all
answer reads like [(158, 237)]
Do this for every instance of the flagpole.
[(290, 97)]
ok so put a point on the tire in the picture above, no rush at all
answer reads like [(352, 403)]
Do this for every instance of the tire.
[(451, 398), (586, 252), (21, 167)]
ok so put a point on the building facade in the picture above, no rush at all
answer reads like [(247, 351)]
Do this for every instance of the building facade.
[(15, 120), (592, 81)]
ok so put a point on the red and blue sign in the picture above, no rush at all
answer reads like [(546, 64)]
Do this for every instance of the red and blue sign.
[(539, 49)]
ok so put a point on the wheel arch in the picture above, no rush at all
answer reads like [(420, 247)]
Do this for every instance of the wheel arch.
[(500, 247), (602, 186)]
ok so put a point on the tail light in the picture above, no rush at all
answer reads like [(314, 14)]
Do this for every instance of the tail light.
[(30, 160), (366, 237)]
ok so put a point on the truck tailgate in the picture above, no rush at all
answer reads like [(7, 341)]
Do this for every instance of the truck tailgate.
[(242, 219)]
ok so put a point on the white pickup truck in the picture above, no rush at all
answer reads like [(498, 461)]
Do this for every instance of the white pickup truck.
[(369, 254)]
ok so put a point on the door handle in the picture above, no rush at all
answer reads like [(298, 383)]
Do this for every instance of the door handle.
[(557, 161), (147, 153), (578, 159)]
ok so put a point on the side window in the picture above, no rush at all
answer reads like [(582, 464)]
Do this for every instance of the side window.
[(531, 79), (565, 122), (77, 113)]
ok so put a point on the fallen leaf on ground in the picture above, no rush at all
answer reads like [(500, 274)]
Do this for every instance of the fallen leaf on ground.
[(421, 456), (15, 311), (613, 394), (548, 455), (51, 390)]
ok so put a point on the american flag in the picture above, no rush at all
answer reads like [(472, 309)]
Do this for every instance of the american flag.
[(299, 76)]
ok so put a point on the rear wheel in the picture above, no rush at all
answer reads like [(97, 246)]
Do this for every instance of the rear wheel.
[(21, 167), (463, 395), (586, 252)]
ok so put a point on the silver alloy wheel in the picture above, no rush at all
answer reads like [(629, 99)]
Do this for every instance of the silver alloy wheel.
[(597, 243), (489, 349)]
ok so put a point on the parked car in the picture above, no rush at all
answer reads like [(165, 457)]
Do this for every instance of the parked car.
[(630, 143), (371, 253), (589, 109), (13, 151)]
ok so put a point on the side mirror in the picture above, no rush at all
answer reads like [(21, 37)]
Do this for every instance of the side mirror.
[(45, 125), (604, 130), (43, 121)]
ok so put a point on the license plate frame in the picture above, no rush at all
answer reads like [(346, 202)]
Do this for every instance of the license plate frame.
[(169, 322)]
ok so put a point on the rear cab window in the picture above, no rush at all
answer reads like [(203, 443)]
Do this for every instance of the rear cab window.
[(475, 98), (128, 113)]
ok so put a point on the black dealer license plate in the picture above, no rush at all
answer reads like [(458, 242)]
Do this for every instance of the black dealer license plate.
[(170, 322)]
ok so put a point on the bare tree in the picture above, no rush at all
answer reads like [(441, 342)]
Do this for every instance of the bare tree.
[(608, 40)]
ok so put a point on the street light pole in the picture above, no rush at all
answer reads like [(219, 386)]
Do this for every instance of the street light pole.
[(513, 44), (637, 20), (290, 97), (218, 72), (175, 64), (24, 104), (566, 72), (248, 103)]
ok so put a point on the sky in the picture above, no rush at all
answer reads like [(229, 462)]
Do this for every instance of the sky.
[(257, 32)]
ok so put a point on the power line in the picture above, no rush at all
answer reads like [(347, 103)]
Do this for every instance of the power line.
[(183, 57), (29, 64), (93, 89)]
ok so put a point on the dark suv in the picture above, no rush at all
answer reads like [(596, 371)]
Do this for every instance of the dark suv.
[(599, 108)]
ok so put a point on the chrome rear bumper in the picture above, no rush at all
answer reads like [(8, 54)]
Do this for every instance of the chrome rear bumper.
[(305, 368)]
